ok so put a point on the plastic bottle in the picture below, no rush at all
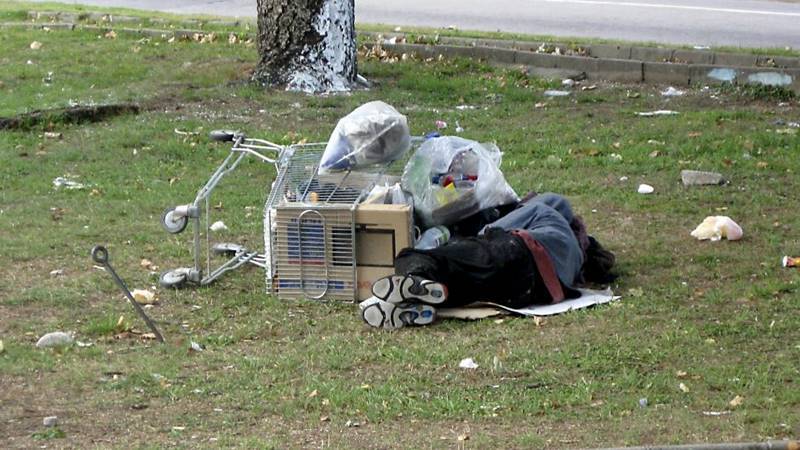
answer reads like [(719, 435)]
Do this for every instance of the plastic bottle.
[(432, 238)]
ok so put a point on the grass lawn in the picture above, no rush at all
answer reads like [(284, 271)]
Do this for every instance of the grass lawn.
[(699, 324)]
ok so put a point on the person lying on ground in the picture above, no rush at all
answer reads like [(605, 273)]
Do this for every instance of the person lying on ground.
[(536, 254)]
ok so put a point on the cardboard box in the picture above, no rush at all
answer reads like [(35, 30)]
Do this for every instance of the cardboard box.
[(381, 232)]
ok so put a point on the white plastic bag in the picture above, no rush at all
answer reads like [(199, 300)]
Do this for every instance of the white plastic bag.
[(715, 228), (451, 178), (373, 133)]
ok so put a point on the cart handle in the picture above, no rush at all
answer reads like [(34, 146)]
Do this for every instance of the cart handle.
[(224, 135)]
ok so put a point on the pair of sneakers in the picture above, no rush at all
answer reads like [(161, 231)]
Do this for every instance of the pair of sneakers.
[(400, 300)]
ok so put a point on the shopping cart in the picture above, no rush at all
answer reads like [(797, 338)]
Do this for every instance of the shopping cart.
[(309, 222), (175, 219)]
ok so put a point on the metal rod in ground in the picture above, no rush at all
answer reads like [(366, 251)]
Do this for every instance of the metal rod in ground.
[(100, 256), (769, 445)]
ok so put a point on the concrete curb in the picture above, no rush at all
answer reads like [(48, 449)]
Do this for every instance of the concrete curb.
[(679, 67)]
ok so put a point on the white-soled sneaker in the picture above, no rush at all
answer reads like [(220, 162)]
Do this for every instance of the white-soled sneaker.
[(409, 289), (382, 314)]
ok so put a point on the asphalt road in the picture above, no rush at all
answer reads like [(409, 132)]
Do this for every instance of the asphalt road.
[(743, 23)]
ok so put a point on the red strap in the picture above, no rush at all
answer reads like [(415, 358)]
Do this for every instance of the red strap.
[(544, 264)]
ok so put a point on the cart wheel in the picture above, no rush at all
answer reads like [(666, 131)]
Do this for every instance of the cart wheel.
[(227, 248), (173, 278), (172, 223)]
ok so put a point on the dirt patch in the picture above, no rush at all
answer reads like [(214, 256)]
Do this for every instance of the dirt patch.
[(73, 114)]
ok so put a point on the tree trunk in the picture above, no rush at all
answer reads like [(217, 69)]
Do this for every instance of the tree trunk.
[(306, 45)]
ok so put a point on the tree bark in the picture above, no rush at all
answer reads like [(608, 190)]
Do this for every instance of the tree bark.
[(306, 45)]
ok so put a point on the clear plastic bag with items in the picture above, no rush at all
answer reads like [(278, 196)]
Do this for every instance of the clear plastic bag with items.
[(451, 178), (374, 133)]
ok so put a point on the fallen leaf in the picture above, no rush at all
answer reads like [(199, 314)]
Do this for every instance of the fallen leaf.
[(762, 165), (597, 403), (538, 321), (463, 437), (694, 134), (111, 35), (148, 336), (683, 388), (36, 45), (313, 394), (365, 386), (655, 154), (736, 401), (681, 374), (146, 263), (2, 347), (324, 419)]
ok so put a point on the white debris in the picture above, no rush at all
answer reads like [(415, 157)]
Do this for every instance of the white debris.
[(57, 272), (196, 347), (555, 93), (55, 339), (468, 363), (715, 228), (66, 183), (218, 226), (672, 92), (143, 296), (645, 189), (569, 82), (660, 112), (464, 107)]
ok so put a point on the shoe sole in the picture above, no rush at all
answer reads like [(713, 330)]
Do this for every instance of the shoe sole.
[(381, 314), (409, 288)]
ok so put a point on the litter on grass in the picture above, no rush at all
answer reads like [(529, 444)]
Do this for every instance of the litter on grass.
[(789, 261), (144, 297), (555, 93), (468, 363), (660, 112), (672, 92), (715, 228), (645, 189), (218, 226), (66, 183)]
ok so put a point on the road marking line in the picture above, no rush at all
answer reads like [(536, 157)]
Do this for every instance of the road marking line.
[(663, 6)]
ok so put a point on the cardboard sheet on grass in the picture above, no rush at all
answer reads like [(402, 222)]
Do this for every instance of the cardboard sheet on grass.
[(481, 310)]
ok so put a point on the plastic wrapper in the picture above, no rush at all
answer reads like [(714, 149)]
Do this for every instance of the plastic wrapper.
[(374, 133), (451, 178), (388, 195)]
